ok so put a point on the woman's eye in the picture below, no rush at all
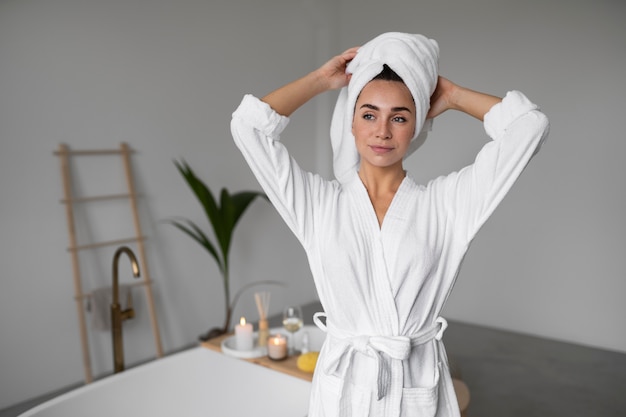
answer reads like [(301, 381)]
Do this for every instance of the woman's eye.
[(368, 116), (399, 119)]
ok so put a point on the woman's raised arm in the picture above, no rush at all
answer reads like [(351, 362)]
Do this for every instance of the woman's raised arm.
[(449, 96), (330, 76)]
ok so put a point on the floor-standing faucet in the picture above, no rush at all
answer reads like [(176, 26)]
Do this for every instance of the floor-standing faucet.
[(117, 314)]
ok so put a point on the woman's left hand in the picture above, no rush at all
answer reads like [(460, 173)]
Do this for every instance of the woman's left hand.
[(449, 95), (442, 98)]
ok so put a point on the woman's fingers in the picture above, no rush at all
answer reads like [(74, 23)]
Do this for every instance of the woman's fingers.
[(349, 54)]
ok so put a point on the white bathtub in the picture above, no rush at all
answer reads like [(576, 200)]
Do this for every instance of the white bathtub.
[(196, 382)]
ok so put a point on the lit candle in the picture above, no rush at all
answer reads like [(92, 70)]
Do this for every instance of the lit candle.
[(277, 347), (243, 335)]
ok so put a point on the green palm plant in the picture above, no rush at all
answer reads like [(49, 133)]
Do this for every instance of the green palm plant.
[(223, 217)]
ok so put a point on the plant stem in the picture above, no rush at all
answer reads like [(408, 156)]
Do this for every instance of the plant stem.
[(226, 277)]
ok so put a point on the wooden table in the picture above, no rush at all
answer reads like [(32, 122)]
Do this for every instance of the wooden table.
[(289, 366)]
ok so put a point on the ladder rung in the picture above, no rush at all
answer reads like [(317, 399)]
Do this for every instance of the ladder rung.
[(93, 152), (108, 243), (133, 284), (96, 198)]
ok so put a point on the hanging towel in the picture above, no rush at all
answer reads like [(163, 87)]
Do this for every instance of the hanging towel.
[(100, 305), (415, 59)]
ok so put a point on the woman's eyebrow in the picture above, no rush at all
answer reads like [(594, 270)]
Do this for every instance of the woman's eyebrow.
[(394, 109), (369, 106)]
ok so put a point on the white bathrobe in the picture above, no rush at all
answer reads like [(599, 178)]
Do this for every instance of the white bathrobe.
[(383, 288)]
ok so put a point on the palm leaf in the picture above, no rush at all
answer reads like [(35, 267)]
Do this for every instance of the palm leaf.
[(241, 202), (232, 208), (199, 236), (205, 197)]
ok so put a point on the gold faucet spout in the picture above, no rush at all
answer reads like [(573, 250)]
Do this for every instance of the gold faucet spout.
[(117, 314)]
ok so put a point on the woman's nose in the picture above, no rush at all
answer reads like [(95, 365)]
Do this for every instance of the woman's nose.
[(384, 131)]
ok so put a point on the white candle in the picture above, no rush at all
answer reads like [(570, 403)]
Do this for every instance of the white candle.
[(243, 335), (277, 347)]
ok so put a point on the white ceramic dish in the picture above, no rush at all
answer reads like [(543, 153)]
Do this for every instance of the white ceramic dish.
[(229, 348)]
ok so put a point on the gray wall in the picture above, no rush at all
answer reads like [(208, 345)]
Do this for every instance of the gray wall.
[(165, 76)]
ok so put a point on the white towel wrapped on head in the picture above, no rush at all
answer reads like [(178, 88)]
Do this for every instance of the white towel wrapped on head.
[(414, 58)]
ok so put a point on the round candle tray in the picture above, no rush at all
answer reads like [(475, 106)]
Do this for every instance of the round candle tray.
[(229, 348)]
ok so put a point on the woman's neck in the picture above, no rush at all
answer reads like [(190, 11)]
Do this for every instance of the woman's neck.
[(383, 181), (381, 185)]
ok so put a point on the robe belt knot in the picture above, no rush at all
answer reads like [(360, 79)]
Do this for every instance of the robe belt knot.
[(384, 349)]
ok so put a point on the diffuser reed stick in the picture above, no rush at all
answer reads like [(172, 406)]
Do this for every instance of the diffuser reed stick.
[(262, 304)]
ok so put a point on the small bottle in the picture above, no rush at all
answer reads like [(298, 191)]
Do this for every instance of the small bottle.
[(305, 343)]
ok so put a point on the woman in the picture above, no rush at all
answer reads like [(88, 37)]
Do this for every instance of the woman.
[(384, 251)]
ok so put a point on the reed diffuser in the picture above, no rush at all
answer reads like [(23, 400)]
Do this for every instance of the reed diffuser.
[(262, 304)]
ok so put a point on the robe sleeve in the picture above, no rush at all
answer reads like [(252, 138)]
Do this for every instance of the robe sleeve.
[(256, 130), (517, 129)]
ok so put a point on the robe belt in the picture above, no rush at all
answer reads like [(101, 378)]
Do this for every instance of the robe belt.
[(384, 349)]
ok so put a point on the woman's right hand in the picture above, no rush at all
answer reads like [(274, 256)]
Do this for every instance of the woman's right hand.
[(333, 72), (330, 76)]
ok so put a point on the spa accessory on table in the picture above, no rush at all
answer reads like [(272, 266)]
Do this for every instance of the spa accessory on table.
[(277, 347), (262, 300), (307, 361), (243, 335), (292, 322), (304, 343)]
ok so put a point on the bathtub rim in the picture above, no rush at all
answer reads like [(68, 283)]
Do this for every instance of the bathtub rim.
[(130, 372)]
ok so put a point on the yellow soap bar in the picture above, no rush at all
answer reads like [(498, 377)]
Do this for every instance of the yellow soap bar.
[(306, 361)]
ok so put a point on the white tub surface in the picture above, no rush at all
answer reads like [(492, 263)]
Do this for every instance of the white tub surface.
[(196, 382)]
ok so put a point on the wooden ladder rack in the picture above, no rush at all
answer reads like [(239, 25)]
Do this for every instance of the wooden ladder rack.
[(69, 201)]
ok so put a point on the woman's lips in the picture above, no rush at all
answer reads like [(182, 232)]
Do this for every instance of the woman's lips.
[(380, 149)]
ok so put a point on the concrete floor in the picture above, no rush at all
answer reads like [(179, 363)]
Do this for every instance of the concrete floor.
[(510, 374), (515, 375)]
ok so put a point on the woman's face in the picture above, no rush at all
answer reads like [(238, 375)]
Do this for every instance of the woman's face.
[(384, 123)]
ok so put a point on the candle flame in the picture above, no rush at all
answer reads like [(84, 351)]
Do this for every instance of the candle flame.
[(276, 339), (242, 321)]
